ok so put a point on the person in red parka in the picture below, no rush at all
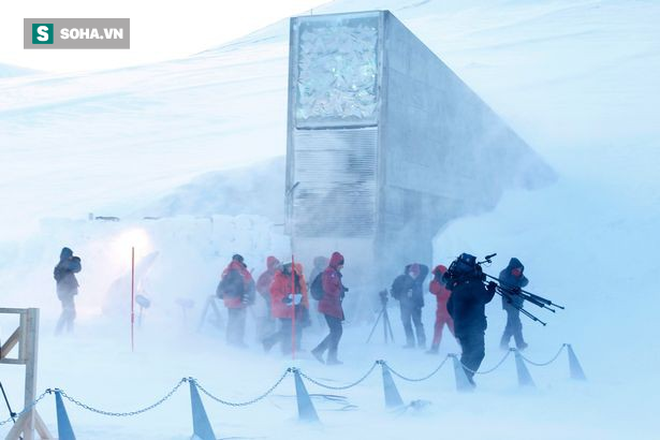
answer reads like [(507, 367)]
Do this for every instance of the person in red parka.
[(283, 304), (237, 290), (263, 288), (330, 307), (442, 316)]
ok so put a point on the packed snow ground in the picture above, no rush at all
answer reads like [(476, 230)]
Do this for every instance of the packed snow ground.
[(577, 79)]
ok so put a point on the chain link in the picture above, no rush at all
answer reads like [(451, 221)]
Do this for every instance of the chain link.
[(490, 370), (123, 414), (271, 389), (428, 376), (543, 364), (340, 387), (27, 408), (246, 403), (498, 365)]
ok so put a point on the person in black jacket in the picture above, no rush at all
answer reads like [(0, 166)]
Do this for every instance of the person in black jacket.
[(512, 280), (407, 288), (466, 306), (67, 288)]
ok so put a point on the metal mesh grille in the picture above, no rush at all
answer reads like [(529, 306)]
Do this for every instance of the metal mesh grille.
[(337, 174)]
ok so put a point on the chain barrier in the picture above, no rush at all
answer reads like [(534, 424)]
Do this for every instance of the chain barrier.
[(123, 414), (490, 370), (543, 364), (341, 387), (27, 408), (421, 379), (272, 388), (246, 403)]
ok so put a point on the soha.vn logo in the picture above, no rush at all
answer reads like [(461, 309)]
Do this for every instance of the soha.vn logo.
[(42, 33), (76, 33)]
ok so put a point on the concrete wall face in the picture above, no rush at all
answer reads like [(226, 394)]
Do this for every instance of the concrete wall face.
[(388, 144), (334, 97)]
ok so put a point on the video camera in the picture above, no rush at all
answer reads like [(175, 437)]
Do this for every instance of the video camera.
[(464, 268)]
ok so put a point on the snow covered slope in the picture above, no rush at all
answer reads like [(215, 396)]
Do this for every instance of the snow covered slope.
[(561, 73), (576, 79), (256, 189), (7, 71)]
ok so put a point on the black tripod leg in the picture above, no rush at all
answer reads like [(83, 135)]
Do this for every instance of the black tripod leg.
[(375, 325), (385, 320), (388, 327)]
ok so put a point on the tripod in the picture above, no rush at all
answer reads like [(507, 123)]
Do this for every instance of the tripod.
[(387, 326)]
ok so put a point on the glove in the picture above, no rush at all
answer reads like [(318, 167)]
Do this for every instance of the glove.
[(492, 285), (296, 299)]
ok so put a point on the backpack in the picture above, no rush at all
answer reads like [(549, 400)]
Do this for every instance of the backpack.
[(231, 285), (399, 286), (317, 287)]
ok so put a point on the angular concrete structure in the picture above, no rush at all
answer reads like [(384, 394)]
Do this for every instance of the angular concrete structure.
[(386, 145)]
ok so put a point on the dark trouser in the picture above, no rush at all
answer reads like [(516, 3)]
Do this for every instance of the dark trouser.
[(283, 336), (513, 328), (236, 326), (266, 324), (413, 315), (331, 342), (67, 316), (473, 351)]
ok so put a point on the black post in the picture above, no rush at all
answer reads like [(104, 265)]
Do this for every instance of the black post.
[(12, 414)]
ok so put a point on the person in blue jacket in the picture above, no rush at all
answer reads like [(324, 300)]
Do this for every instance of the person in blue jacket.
[(67, 288)]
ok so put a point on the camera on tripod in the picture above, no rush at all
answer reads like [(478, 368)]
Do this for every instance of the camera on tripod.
[(388, 335), (383, 297)]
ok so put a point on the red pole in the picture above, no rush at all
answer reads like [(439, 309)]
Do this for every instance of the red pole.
[(293, 319), (132, 298)]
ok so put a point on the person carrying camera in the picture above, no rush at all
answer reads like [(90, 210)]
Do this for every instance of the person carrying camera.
[(512, 280), (330, 306), (407, 289), (67, 288), (237, 290), (467, 305)]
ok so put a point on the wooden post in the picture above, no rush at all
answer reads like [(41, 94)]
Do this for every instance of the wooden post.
[(31, 333), (27, 339)]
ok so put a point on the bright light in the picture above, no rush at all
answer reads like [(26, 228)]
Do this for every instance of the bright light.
[(132, 238)]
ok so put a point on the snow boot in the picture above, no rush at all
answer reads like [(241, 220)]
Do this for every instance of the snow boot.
[(318, 355)]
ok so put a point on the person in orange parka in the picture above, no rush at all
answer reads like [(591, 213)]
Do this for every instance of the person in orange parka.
[(442, 316), (263, 288), (283, 304), (237, 290)]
